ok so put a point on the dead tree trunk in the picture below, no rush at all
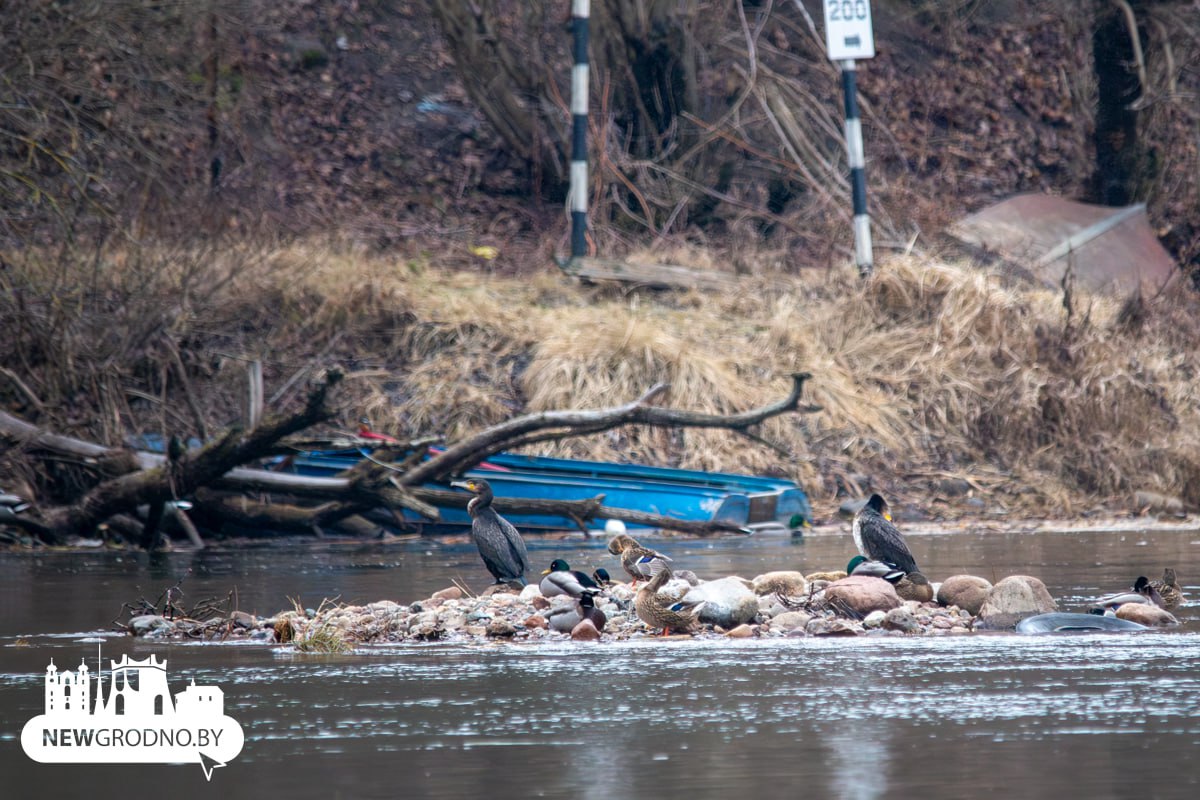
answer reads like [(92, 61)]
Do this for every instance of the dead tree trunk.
[(148, 483)]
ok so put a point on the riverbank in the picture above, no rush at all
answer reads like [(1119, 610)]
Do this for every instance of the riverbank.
[(956, 391)]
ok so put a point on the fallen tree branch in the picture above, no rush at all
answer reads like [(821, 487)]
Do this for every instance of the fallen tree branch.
[(146, 479), (552, 425), (209, 473)]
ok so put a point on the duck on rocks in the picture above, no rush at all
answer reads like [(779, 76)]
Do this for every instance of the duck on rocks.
[(877, 539), (1168, 589), (565, 617), (667, 611), (637, 560), (860, 565), (909, 585), (500, 544), (1141, 592), (560, 579)]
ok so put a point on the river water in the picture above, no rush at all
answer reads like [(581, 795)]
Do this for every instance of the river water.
[(1093, 716)]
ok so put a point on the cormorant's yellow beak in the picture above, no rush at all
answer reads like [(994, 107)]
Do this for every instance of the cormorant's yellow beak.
[(887, 515)]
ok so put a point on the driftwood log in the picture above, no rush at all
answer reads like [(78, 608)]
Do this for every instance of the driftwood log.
[(137, 492)]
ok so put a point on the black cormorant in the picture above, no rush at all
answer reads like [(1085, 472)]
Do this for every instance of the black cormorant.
[(878, 539), (499, 543)]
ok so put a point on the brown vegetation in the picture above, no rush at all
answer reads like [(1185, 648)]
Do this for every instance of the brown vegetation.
[(128, 133), (930, 370)]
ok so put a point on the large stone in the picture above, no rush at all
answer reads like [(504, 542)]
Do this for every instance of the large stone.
[(874, 619), (452, 620), (1012, 600), (729, 602), (790, 620), (786, 582), (1145, 614), (501, 628), (965, 591), (449, 593), (859, 595), (243, 620), (901, 619), (825, 577), (150, 624), (833, 626), (585, 631)]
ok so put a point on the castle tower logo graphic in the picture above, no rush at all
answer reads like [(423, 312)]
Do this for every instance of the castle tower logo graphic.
[(134, 720)]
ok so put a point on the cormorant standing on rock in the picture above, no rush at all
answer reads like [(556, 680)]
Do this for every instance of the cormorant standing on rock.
[(500, 544), (878, 539)]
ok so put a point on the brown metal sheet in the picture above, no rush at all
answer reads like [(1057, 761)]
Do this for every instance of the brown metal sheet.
[(1041, 235)]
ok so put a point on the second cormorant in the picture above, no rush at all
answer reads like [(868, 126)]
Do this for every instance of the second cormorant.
[(878, 539), (500, 544)]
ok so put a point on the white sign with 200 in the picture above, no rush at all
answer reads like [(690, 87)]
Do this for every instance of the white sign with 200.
[(848, 34)]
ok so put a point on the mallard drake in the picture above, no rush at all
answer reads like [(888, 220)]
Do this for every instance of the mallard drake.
[(561, 579), (565, 617), (1168, 589), (878, 539), (500, 544), (602, 578), (1142, 592), (668, 612), (859, 565), (910, 585), (637, 560)]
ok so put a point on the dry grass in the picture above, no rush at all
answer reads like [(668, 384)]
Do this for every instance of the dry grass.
[(928, 369)]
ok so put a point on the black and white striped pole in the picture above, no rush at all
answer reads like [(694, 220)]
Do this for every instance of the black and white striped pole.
[(848, 36), (858, 171), (580, 10)]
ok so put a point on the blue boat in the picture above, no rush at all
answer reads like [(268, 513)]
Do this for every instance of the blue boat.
[(772, 499), (678, 493), (690, 495)]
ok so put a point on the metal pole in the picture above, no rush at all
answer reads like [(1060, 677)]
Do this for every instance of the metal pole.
[(858, 171), (580, 10)]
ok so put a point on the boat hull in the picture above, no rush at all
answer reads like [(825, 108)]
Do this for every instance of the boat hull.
[(516, 477)]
